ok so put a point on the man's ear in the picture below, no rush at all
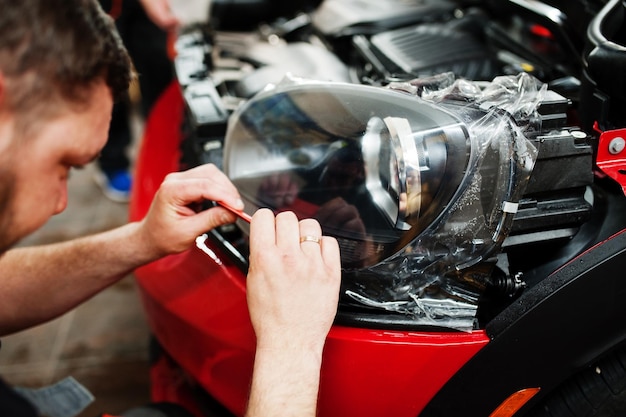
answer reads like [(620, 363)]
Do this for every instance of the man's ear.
[(4, 138), (2, 91)]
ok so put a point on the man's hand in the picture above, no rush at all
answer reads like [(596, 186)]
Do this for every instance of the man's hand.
[(293, 286), (84, 266), (293, 290), (172, 224)]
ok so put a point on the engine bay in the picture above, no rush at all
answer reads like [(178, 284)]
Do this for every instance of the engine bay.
[(416, 48)]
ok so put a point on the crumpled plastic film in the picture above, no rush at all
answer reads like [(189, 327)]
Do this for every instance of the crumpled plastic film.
[(419, 182), (437, 279)]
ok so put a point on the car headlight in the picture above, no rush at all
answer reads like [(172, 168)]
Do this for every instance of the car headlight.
[(411, 189)]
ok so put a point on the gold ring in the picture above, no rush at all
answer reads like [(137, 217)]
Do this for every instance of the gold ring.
[(309, 238)]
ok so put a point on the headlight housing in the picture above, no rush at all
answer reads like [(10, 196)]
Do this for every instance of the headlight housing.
[(415, 191)]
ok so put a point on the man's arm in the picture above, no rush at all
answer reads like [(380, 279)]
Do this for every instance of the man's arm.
[(293, 290), (285, 383), (43, 282)]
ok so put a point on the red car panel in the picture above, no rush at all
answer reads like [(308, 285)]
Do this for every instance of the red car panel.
[(196, 307)]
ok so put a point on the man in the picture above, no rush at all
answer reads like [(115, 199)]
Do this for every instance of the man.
[(61, 66)]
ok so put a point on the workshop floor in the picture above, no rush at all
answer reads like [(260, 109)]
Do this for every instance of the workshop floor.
[(104, 342)]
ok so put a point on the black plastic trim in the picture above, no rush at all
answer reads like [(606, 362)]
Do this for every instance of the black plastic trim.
[(550, 333)]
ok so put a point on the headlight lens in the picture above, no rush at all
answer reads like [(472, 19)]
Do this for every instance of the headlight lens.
[(418, 193), (373, 165)]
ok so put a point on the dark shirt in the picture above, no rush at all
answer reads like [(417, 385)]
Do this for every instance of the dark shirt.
[(13, 404)]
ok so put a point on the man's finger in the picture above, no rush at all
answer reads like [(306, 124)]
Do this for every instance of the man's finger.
[(193, 190), (330, 254), (262, 231), (206, 172), (310, 236), (287, 231)]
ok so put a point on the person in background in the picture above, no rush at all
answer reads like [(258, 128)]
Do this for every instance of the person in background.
[(62, 64), (144, 27)]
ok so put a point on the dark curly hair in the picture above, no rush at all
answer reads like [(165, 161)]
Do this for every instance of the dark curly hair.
[(57, 49)]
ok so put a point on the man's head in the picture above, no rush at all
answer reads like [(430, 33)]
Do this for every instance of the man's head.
[(61, 64)]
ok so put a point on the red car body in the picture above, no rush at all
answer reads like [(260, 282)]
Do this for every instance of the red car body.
[(196, 307)]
